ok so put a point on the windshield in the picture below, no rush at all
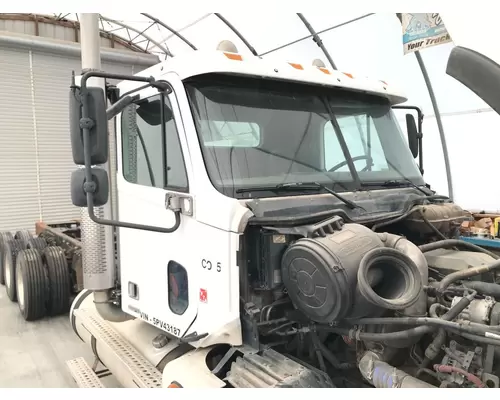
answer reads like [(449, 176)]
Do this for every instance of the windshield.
[(256, 132)]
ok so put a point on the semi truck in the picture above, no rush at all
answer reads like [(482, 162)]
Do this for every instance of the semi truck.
[(261, 224)]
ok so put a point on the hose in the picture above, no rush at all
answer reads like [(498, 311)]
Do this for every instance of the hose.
[(470, 377), (485, 288), (481, 339), (429, 224), (446, 244), (471, 327), (463, 274), (330, 357), (434, 348), (400, 335)]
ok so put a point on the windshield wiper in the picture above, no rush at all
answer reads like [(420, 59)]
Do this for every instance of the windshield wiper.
[(396, 183), (301, 186)]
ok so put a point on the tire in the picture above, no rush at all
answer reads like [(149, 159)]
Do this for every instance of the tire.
[(4, 237), (31, 285), (37, 243), (11, 251), (59, 280), (23, 235)]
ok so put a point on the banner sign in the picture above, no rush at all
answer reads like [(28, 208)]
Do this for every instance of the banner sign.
[(423, 30)]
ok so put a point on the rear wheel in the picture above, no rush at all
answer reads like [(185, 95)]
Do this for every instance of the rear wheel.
[(59, 280), (25, 236), (31, 285), (11, 251), (37, 243), (4, 237)]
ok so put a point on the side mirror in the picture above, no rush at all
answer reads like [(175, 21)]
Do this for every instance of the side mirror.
[(413, 134), (99, 185), (96, 120), (89, 140)]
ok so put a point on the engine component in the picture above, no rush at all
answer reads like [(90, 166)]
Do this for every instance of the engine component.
[(445, 262), (443, 217), (461, 364), (348, 274), (385, 376), (478, 311)]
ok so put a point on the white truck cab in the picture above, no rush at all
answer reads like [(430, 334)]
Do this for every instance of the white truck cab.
[(262, 209)]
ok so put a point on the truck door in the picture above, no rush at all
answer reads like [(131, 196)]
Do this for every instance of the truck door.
[(157, 284)]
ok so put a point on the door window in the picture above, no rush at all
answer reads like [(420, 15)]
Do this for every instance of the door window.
[(148, 158)]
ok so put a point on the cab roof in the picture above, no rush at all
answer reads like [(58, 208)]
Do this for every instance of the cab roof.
[(204, 62)]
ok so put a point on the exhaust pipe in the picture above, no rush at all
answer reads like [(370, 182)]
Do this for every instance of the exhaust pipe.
[(385, 376)]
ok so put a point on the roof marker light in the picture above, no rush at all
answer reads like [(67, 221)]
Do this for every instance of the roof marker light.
[(296, 66), (233, 56)]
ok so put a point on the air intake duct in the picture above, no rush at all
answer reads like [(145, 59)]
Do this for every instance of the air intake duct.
[(349, 274)]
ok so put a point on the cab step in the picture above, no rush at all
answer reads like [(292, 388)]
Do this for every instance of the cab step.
[(142, 373), (83, 375)]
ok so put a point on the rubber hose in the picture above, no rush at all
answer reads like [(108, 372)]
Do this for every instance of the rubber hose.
[(471, 327), (481, 339), (470, 377), (330, 356), (463, 274), (434, 348), (462, 304), (485, 288), (446, 244)]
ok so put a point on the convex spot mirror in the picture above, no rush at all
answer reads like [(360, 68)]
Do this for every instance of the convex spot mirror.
[(98, 145), (150, 112), (101, 193)]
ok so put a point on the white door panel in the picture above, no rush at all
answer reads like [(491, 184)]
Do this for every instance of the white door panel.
[(207, 253)]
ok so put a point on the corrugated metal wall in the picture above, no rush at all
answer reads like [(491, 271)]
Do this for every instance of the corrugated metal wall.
[(35, 151)]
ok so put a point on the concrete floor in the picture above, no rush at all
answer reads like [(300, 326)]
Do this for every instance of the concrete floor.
[(34, 354)]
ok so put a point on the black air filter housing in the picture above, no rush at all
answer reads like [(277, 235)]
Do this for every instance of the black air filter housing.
[(320, 274)]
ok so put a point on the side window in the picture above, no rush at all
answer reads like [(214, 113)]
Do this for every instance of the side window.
[(178, 289), (362, 140), (144, 155)]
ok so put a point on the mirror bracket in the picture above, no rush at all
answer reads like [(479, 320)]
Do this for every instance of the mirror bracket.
[(86, 123), (179, 202)]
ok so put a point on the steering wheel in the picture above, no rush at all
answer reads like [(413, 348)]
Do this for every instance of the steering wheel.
[(354, 159)]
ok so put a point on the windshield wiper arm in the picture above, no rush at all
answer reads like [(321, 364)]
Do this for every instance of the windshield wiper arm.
[(301, 186), (396, 183), (318, 185)]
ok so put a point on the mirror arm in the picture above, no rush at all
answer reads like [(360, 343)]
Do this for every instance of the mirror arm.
[(120, 105), (89, 186)]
